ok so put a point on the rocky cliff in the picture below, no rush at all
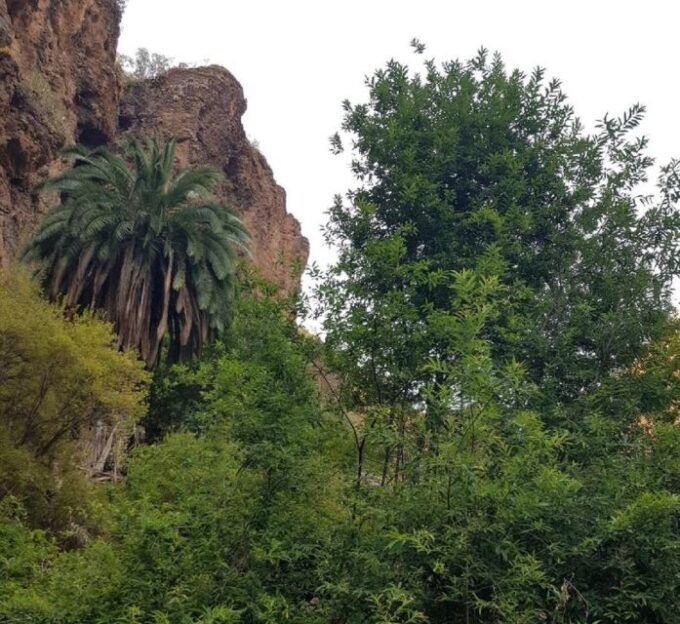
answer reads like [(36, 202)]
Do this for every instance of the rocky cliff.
[(202, 109), (59, 85)]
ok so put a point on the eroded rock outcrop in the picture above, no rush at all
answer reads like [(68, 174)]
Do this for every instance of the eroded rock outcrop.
[(59, 84), (202, 108)]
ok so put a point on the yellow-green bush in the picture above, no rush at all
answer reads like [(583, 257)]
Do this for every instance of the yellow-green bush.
[(60, 374)]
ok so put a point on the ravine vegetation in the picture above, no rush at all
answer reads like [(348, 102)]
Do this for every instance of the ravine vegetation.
[(486, 431)]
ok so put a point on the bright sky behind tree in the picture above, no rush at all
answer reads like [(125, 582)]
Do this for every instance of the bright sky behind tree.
[(298, 59)]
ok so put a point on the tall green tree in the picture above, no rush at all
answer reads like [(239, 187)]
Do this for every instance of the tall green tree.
[(498, 274), (469, 164), (144, 242)]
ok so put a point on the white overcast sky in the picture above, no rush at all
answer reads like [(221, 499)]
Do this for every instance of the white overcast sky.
[(298, 59)]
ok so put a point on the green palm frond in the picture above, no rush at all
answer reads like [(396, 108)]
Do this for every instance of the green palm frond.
[(143, 242)]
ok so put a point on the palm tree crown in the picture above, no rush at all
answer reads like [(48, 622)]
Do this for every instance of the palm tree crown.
[(147, 245)]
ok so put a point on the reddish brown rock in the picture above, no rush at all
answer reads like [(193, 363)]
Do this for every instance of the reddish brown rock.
[(59, 84), (202, 109)]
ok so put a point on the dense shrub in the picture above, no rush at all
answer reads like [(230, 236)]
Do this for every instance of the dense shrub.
[(59, 377)]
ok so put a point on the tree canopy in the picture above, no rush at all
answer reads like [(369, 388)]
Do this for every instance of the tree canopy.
[(471, 167)]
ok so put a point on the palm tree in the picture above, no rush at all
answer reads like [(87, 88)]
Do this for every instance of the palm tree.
[(149, 247)]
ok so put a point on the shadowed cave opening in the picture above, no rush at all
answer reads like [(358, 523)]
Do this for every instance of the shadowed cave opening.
[(90, 135)]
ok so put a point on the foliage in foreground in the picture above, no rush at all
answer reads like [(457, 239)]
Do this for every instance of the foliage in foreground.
[(206, 526), (59, 377), (250, 511)]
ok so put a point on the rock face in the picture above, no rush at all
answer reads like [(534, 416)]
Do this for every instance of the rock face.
[(202, 109), (59, 85)]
